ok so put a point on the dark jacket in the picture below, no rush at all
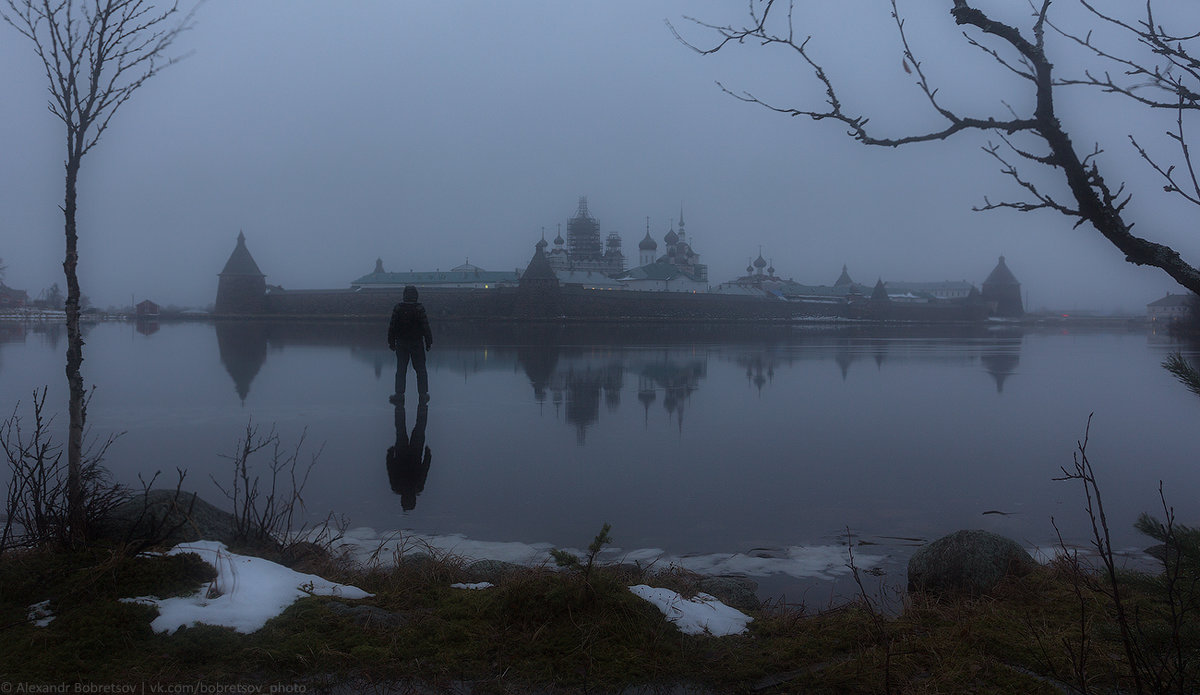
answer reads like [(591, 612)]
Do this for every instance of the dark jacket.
[(409, 325)]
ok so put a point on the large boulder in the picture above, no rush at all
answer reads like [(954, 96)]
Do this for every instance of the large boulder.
[(169, 518), (966, 562)]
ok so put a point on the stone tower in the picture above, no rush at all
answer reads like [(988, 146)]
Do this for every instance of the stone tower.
[(1002, 290), (539, 294), (241, 286)]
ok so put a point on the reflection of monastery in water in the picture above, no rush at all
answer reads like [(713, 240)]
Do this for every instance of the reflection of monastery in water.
[(579, 373), (584, 276)]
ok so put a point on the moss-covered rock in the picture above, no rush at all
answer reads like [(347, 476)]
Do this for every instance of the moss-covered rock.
[(969, 562), (168, 518)]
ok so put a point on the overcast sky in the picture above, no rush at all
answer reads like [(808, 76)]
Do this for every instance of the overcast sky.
[(427, 133)]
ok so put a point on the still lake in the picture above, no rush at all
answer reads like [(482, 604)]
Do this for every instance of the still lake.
[(746, 441)]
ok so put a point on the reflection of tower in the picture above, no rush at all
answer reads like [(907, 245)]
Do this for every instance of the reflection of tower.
[(612, 397), (584, 384), (1002, 363), (646, 395), (844, 358), (583, 402), (241, 286), (538, 358), (677, 379), (760, 368), (243, 350), (408, 459)]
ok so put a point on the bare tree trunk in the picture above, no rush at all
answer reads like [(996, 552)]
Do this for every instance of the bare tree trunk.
[(96, 54), (77, 409)]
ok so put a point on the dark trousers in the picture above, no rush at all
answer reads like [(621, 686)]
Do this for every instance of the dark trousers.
[(416, 353)]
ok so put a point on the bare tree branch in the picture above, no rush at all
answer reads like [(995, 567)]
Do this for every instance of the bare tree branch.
[(1094, 201)]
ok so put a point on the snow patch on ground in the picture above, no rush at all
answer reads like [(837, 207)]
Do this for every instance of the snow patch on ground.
[(701, 615), (476, 585), (39, 613), (368, 546), (247, 592)]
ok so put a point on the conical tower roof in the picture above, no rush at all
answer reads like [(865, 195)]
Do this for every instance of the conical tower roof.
[(539, 267), (240, 261), (843, 279), (879, 294), (1001, 275)]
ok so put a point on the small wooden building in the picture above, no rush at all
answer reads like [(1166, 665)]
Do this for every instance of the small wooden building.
[(12, 299), (1171, 308), (147, 309)]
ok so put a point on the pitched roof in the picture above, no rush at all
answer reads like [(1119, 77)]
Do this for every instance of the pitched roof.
[(1001, 275), (930, 287), (1173, 300), (444, 277), (656, 271), (539, 268), (240, 261)]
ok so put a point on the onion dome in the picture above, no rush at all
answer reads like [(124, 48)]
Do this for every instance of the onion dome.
[(648, 243), (541, 245), (760, 262), (671, 238)]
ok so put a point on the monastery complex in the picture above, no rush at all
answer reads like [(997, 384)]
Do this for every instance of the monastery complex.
[(588, 276)]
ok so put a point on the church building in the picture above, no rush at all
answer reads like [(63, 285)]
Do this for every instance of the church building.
[(678, 269), (583, 250)]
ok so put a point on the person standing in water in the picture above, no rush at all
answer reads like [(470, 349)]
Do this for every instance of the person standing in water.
[(409, 337)]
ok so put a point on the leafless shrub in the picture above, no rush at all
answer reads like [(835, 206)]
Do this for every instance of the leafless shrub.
[(149, 529), (1101, 541), (267, 511), (36, 504), (1154, 613)]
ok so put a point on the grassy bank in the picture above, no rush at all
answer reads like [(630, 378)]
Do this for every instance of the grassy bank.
[(546, 630)]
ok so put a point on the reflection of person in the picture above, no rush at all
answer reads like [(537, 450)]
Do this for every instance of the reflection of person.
[(409, 328), (408, 460)]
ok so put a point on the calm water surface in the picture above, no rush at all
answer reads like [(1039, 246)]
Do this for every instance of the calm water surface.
[(743, 439)]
